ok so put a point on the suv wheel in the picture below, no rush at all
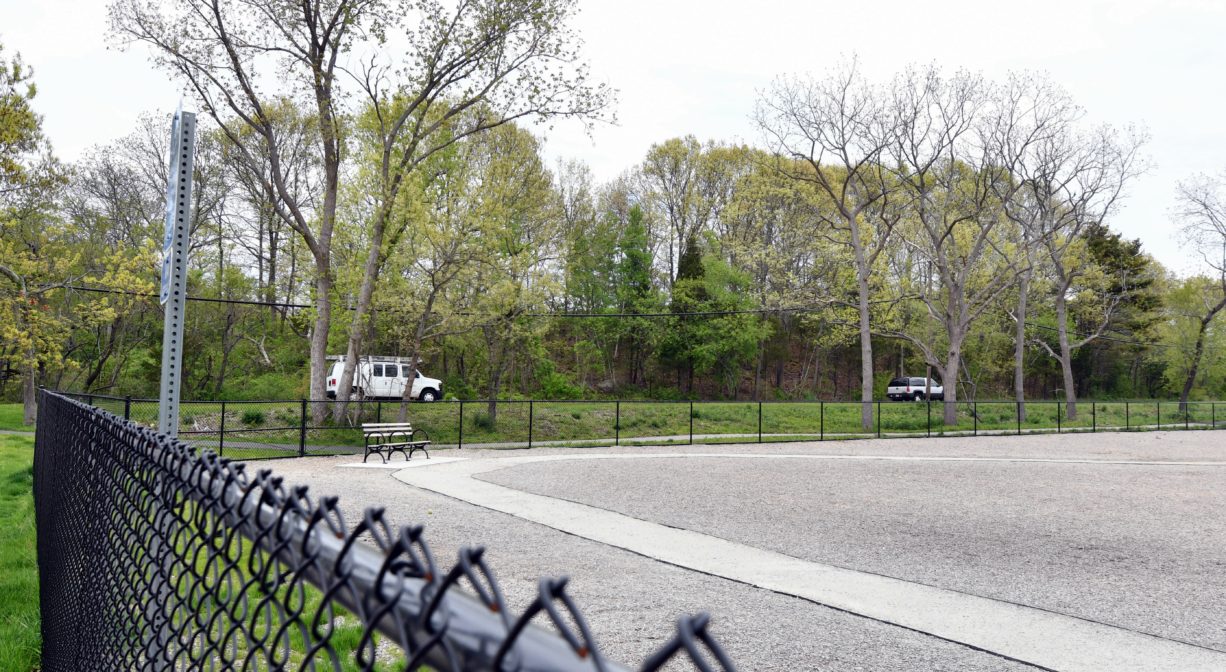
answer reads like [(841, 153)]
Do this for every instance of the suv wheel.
[(428, 395), (919, 396)]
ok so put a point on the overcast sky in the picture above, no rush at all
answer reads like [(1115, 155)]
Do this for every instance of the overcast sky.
[(685, 66)]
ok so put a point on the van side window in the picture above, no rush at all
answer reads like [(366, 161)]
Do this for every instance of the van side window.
[(378, 370), (404, 372)]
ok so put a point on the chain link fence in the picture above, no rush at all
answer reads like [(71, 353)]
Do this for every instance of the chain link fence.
[(155, 557), (269, 429)]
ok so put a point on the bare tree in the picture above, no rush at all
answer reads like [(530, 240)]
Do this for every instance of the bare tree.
[(938, 151), (227, 52), (1027, 134), (833, 133), (1201, 209), (1099, 165)]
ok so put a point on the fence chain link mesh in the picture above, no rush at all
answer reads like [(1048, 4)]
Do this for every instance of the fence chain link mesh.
[(154, 557)]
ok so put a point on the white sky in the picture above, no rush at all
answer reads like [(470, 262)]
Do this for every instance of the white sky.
[(689, 66)]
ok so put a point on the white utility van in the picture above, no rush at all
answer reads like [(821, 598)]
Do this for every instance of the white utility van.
[(384, 378)]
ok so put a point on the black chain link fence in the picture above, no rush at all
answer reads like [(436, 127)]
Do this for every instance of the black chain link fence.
[(287, 428), (154, 557)]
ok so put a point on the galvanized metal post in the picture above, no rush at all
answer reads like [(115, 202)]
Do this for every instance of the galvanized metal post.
[(529, 424), (302, 430), (175, 245), (461, 440), (617, 423), (221, 430)]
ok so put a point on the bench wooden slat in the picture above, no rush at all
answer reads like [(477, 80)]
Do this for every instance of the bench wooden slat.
[(384, 435)]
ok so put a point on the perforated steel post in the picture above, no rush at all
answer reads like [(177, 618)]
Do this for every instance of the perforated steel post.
[(175, 245)]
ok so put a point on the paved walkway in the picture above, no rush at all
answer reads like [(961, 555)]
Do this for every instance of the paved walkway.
[(1034, 636)]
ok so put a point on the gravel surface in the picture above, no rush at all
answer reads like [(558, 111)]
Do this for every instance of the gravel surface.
[(630, 601), (1140, 547)]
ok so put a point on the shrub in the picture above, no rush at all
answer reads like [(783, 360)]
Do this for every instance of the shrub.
[(253, 417)]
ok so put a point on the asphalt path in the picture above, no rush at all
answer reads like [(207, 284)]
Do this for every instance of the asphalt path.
[(1108, 528)]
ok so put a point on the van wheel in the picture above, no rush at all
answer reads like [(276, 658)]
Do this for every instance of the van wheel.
[(428, 395)]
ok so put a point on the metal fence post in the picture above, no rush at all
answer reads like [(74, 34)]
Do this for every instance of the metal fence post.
[(127, 407), (617, 422), (378, 411), (1187, 410), (879, 418), (759, 422), (975, 415), (530, 408), (1093, 417), (691, 423), (928, 403), (221, 430), (1058, 419), (1019, 418), (1159, 405), (1213, 416), (460, 446), (1127, 419), (821, 422), (302, 430)]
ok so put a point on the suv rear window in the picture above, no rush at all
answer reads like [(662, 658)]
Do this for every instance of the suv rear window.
[(898, 382), (917, 382)]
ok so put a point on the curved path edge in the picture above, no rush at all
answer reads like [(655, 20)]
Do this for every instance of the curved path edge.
[(1042, 638)]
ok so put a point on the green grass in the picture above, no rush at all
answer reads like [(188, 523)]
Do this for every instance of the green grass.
[(10, 418), (256, 430), (19, 620)]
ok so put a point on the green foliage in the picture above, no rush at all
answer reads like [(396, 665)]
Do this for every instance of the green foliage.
[(253, 418)]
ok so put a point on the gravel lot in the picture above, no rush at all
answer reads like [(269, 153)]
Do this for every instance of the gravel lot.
[(1130, 545)]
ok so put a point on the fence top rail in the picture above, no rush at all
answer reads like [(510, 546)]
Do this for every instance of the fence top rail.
[(386, 576)]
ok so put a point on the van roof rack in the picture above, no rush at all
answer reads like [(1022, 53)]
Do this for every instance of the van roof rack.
[(374, 358)]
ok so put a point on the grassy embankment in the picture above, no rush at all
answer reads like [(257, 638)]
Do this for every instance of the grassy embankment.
[(271, 429)]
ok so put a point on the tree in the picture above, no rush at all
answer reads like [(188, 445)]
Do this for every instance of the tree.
[(941, 158), (30, 245), (470, 69), (226, 52), (833, 134), (1201, 210), (1100, 166)]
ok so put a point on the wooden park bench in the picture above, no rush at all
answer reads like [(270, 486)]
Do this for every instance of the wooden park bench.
[(386, 438)]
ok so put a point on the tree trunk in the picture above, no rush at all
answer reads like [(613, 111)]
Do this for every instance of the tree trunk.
[(949, 381), (29, 394), (866, 356), (1019, 347), (418, 336), (1066, 358), (319, 340), (1195, 366)]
